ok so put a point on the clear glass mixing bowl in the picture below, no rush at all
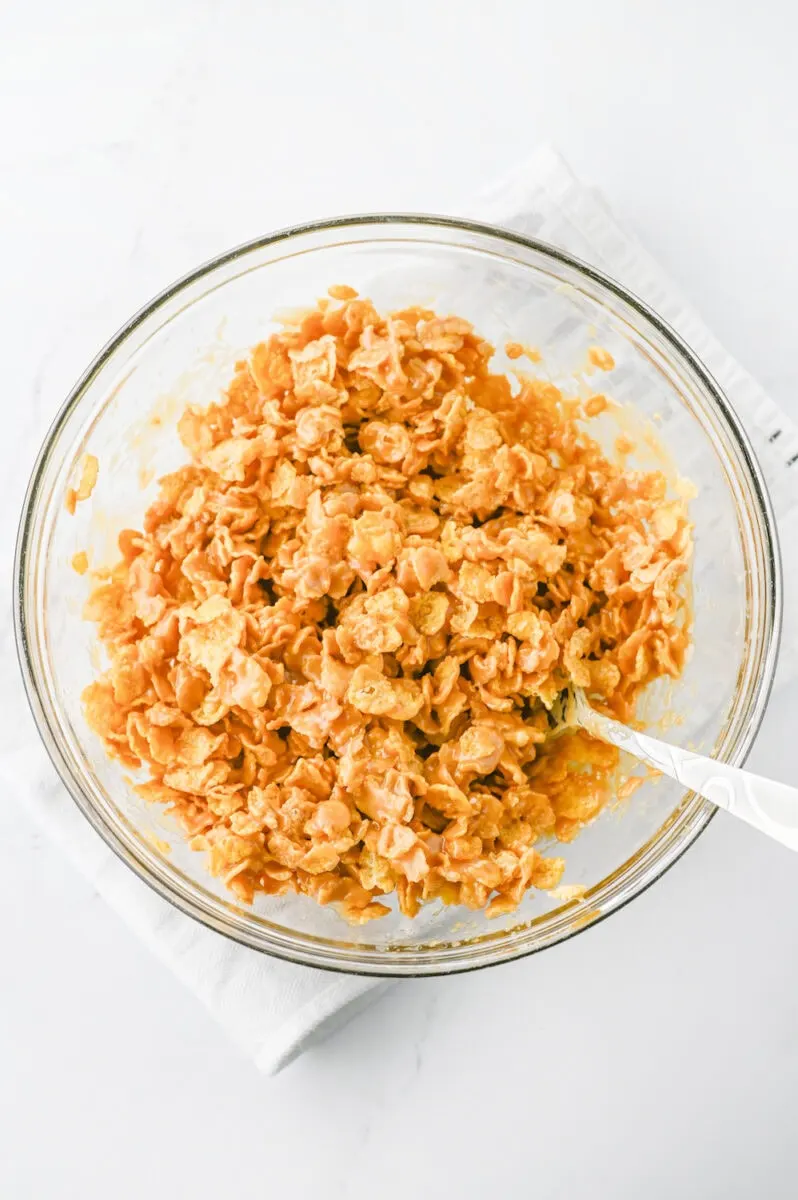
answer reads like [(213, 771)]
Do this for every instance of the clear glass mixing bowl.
[(182, 347)]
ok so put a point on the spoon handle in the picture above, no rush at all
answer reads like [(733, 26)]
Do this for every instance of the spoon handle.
[(769, 806)]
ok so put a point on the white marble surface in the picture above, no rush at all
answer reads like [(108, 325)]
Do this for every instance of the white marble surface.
[(657, 1054)]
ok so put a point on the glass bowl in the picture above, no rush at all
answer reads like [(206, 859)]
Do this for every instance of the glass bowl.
[(181, 348)]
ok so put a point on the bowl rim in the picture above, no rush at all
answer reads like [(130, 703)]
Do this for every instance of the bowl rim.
[(703, 810)]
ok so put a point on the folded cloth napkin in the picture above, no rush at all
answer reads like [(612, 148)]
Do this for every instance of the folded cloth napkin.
[(272, 1009)]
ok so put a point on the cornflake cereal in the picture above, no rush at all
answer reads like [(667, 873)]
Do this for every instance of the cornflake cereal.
[(339, 643)]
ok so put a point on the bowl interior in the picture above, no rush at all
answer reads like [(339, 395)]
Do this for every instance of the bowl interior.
[(182, 350)]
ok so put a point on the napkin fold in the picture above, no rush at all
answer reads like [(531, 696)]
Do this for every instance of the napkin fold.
[(274, 1010)]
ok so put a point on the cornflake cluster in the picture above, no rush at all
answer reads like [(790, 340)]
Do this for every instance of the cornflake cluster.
[(337, 642)]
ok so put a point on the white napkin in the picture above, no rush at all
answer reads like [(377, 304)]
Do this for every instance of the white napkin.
[(274, 1010)]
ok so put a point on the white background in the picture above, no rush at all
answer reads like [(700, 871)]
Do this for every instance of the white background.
[(657, 1055)]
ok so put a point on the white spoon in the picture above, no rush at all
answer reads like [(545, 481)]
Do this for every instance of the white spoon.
[(769, 806)]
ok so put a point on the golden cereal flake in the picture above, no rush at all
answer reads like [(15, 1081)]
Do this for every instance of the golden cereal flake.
[(341, 291), (337, 639)]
